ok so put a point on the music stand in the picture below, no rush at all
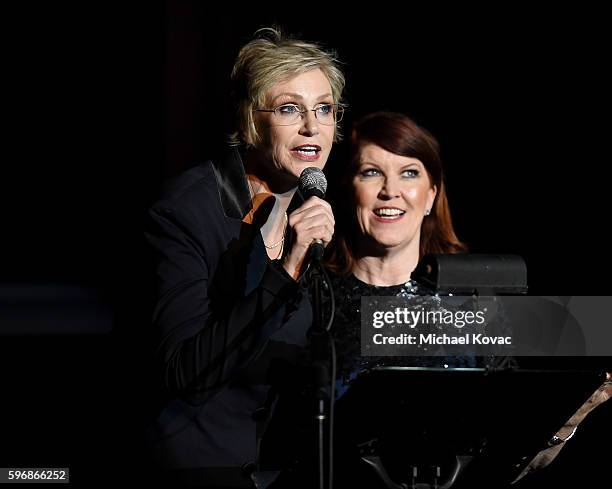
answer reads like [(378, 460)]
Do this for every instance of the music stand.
[(404, 427)]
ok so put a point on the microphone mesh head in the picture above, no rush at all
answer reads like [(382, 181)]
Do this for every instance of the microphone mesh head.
[(312, 182)]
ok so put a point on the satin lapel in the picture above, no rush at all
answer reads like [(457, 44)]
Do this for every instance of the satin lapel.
[(232, 185)]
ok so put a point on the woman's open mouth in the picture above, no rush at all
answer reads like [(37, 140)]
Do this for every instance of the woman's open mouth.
[(307, 152), (388, 214)]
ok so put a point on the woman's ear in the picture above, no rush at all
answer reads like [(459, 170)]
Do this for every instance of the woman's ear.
[(433, 191)]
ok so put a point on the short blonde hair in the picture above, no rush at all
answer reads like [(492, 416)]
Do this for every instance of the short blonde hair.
[(269, 58)]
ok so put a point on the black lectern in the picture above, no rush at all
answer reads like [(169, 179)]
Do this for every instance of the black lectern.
[(410, 427), (422, 428)]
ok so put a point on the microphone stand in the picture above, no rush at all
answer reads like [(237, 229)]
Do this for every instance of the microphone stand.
[(320, 363)]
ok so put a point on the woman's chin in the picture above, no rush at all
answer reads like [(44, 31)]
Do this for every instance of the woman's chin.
[(380, 245), (388, 240)]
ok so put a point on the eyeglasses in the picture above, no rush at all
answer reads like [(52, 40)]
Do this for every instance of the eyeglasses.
[(289, 114)]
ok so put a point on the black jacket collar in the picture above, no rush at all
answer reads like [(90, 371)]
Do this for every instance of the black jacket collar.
[(232, 184)]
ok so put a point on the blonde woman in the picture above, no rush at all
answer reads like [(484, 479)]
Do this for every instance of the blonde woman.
[(229, 313)]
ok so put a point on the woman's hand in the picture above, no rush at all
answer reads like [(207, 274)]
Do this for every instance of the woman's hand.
[(313, 220)]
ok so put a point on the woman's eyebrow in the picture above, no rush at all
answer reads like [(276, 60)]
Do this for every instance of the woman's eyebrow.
[(297, 95), (287, 94)]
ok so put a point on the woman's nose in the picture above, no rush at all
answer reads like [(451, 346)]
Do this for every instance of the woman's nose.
[(309, 124), (390, 188)]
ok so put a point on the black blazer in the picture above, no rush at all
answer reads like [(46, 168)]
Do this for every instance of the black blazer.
[(227, 322)]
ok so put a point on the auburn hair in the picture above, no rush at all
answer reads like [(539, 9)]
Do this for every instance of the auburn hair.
[(398, 134)]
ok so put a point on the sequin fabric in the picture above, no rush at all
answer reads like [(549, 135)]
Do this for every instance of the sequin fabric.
[(346, 330)]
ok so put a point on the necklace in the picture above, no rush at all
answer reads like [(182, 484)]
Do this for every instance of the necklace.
[(272, 246), (280, 251), (280, 241)]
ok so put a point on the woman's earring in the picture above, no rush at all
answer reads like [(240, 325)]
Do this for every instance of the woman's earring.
[(427, 212)]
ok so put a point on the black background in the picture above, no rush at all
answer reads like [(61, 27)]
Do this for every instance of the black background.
[(102, 102)]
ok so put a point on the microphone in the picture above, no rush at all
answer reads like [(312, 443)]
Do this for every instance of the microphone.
[(312, 182)]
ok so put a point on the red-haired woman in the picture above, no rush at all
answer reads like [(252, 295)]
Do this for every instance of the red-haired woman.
[(394, 207), (396, 200)]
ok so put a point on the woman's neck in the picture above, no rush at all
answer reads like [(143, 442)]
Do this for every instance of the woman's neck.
[(268, 207), (268, 213), (261, 171), (269, 199), (391, 268)]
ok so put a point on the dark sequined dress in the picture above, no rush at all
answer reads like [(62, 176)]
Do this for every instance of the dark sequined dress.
[(346, 330)]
